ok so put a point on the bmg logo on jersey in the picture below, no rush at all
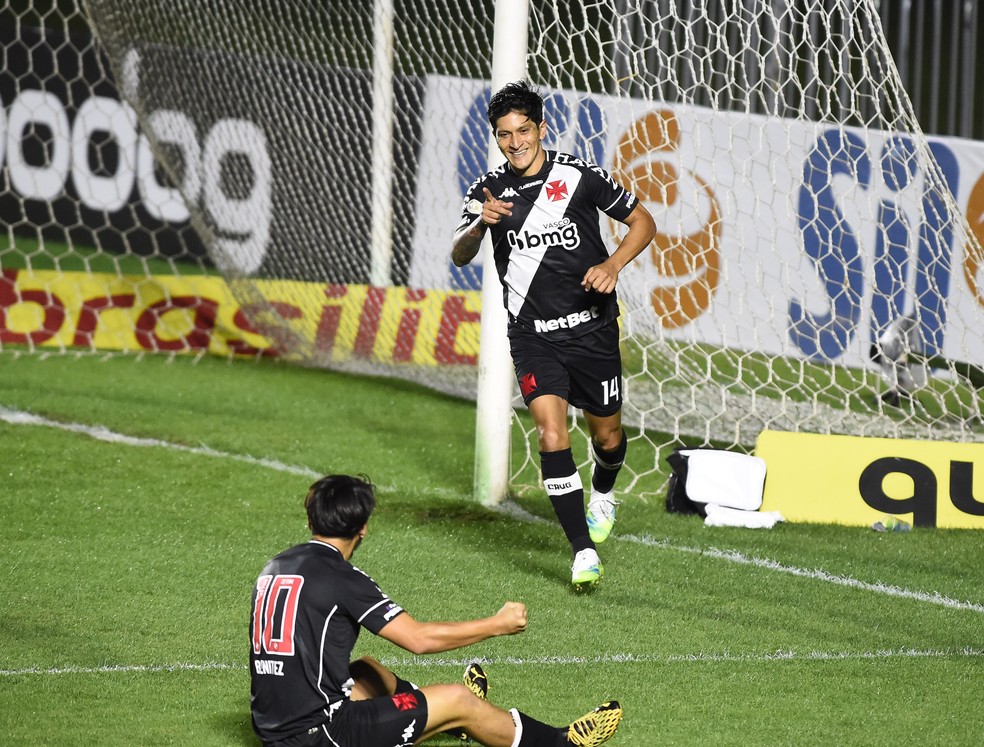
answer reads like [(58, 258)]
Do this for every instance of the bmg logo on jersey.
[(565, 236)]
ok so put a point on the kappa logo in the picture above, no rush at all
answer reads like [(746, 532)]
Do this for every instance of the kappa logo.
[(408, 733), (557, 191), (508, 192)]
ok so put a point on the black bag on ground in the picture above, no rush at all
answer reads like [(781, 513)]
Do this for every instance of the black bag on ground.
[(677, 500)]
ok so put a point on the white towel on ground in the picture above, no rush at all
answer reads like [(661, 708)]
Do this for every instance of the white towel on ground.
[(723, 516)]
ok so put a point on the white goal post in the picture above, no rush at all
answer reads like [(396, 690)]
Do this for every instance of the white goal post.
[(494, 393), (253, 179)]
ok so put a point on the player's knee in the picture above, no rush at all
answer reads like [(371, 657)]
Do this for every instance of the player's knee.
[(476, 709), (453, 706), (455, 702), (607, 434), (609, 440), (465, 701), (553, 439)]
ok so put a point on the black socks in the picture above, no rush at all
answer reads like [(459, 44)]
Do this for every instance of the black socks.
[(566, 493), (607, 465)]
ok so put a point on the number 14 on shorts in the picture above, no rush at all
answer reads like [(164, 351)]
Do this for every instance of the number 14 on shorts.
[(611, 390)]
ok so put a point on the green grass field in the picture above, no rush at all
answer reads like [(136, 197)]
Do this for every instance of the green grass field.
[(129, 561)]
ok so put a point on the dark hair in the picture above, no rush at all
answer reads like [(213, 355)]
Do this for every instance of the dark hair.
[(340, 505), (520, 97)]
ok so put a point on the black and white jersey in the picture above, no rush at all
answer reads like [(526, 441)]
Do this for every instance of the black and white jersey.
[(552, 238), (307, 608)]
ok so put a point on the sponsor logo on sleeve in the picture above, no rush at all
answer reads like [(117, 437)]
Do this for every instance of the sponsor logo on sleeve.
[(392, 610)]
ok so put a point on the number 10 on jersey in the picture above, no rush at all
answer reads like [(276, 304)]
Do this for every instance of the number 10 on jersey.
[(274, 613)]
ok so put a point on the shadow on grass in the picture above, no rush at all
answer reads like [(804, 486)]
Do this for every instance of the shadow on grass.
[(536, 550), (237, 726)]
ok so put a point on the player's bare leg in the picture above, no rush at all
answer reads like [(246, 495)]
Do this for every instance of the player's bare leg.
[(606, 430), (456, 707), (549, 413)]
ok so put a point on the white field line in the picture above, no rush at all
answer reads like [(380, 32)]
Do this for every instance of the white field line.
[(430, 662), (734, 556), (101, 433), (17, 417)]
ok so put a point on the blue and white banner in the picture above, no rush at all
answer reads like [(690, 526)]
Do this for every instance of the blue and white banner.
[(779, 236)]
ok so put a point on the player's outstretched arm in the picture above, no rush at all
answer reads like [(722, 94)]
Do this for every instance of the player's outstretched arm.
[(433, 637), (468, 239)]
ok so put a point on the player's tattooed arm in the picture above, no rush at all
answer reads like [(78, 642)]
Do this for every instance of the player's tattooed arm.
[(468, 239)]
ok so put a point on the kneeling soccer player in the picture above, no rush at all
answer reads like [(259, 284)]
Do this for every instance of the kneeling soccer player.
[(308, 606)]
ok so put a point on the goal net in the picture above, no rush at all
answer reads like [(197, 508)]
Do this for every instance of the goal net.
[(259, 178)]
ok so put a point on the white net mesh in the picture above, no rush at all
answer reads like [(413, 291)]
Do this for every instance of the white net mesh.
[(805, 221), (267, 178)]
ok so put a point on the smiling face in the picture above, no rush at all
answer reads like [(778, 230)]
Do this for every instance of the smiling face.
[(519, 139)]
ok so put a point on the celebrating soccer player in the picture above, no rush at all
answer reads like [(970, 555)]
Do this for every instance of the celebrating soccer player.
[(309, 604), (542, 208)]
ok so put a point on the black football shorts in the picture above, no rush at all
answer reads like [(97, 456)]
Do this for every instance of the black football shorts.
[(586, 371), (392, 721)]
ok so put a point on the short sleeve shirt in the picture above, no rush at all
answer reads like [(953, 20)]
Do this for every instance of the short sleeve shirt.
[(552, 238), (308, 606)]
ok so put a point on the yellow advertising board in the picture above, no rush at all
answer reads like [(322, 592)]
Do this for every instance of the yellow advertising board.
[(198, 313), (858, 481)]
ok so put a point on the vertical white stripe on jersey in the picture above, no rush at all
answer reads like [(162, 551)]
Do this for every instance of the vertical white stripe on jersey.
[(524, 263), (321, 652)]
